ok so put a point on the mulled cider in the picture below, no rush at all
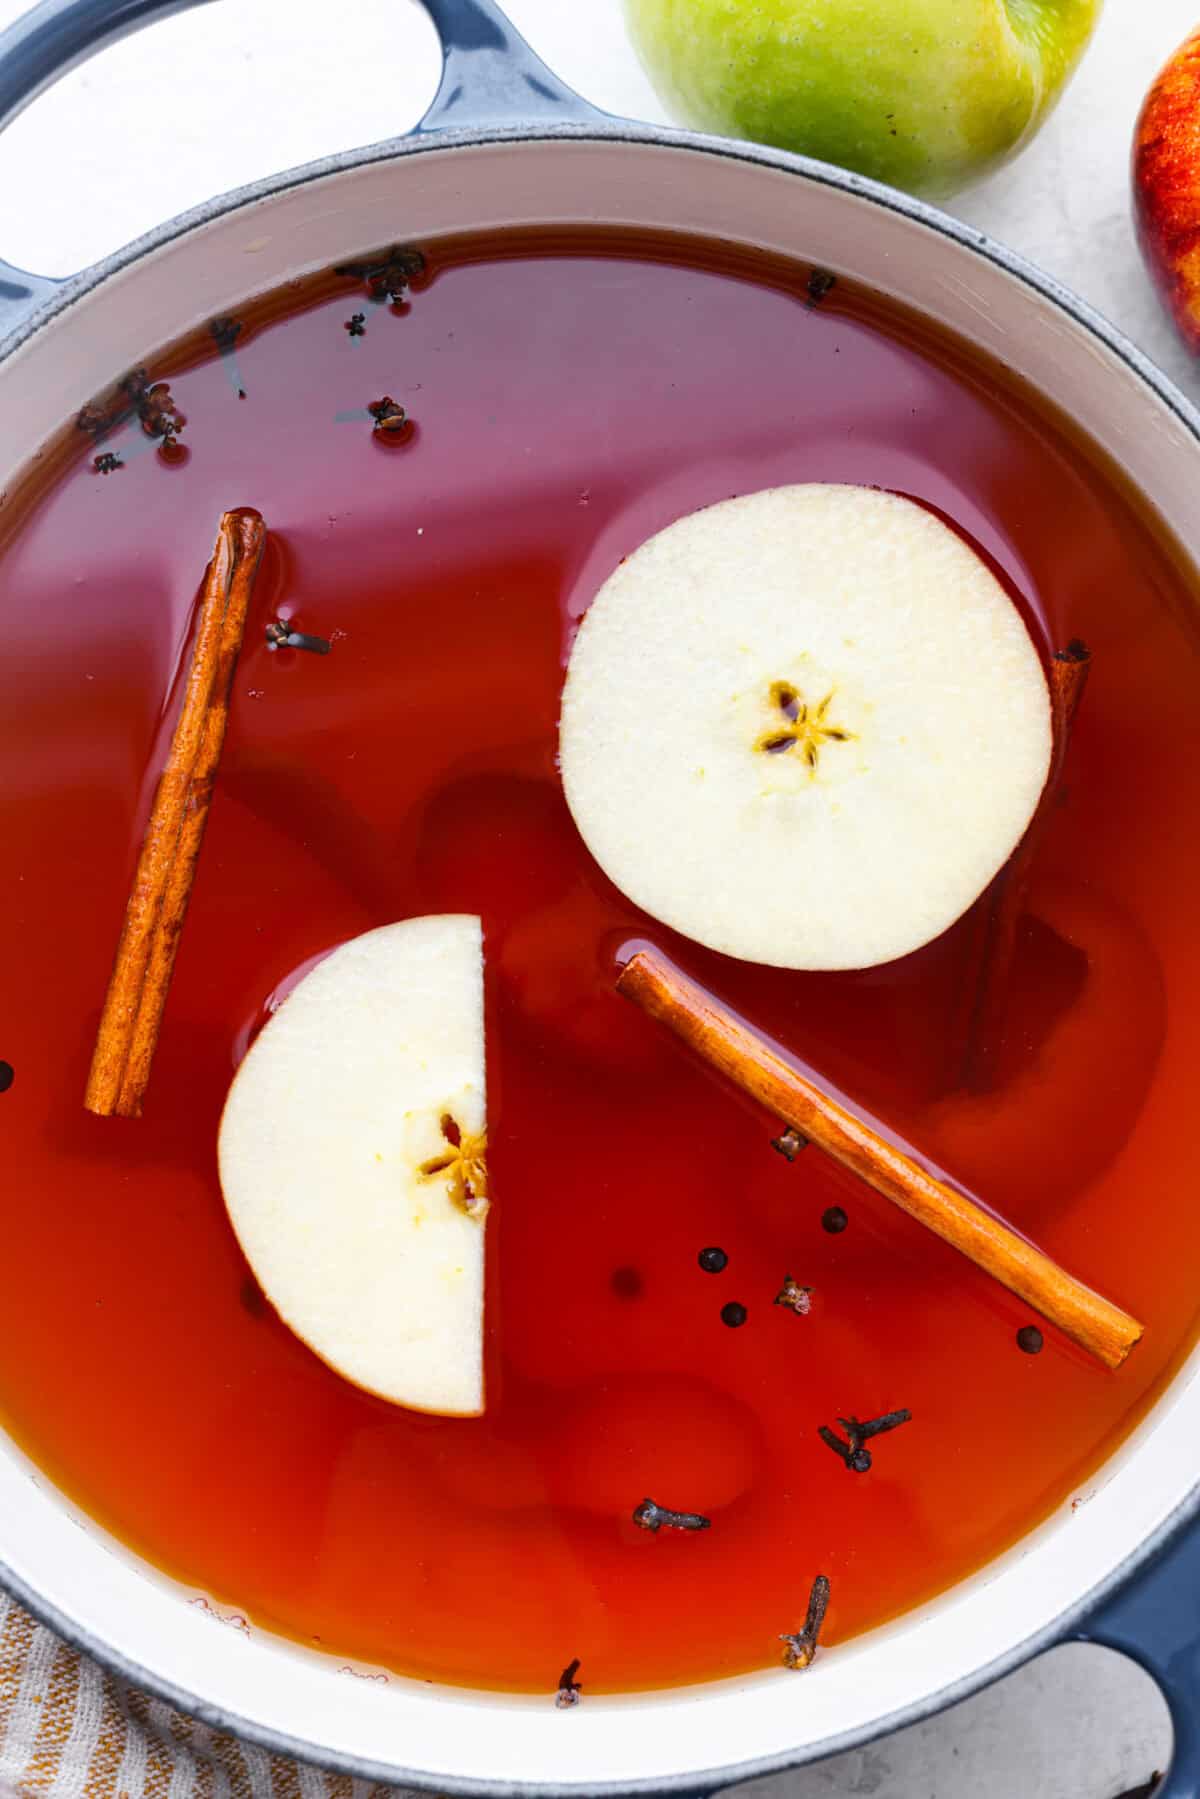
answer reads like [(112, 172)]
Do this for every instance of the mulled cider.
[(717, 1364)]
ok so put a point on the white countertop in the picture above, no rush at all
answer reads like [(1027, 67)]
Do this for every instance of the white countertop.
[(217, 97)]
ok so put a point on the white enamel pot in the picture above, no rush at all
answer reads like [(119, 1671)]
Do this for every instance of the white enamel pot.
[(506, 143)]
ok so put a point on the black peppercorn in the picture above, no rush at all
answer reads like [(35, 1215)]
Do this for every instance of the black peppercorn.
[(7, 1076), (733, 1314), (834, 1220), (713, 1260), (1030, 1339)]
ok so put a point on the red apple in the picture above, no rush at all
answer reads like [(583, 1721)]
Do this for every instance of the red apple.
[(1166, 186)]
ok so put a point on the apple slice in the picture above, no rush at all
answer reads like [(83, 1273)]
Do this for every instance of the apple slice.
[(352, 1156), (804, 727)]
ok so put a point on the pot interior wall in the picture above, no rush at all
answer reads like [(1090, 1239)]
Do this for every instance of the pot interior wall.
[(402, 1730)]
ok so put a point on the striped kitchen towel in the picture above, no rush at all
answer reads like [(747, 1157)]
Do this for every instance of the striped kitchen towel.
[(69, 1730)]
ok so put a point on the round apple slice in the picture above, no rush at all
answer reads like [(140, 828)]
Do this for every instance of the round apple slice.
[(353, 1160), (804, 727)]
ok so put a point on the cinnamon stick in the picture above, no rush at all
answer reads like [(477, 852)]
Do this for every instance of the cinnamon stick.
[(760, 1069), (1066, 678), (166, 869)]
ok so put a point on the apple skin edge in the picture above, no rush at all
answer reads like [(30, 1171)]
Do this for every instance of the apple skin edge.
[(926, 94), (1166, 187)]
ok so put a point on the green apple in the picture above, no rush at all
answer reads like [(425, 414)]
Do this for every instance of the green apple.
[(925, 94)]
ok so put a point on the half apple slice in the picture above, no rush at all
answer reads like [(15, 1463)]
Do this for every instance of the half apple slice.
[(352, 1156), (805, 727)]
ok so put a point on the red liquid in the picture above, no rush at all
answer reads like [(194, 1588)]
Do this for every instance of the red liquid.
[(569, 400)]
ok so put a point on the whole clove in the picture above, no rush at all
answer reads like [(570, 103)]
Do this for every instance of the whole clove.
[(649, 1516), (356, 324), (152, 402), (862, 1429), (856, 1458), (797, 1298), (801, 1646), (569, 1689), (95, 419), (280, 635), (820, 283), (389, 416), (388, 274), (135, 396), (107, 463), (858, 1432)]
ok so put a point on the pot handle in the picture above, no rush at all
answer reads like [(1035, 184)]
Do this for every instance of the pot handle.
[(1155, 1619), (490, 77), (35, 50)]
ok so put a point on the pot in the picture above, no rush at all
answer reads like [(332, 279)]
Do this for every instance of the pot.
[(506, 143)]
